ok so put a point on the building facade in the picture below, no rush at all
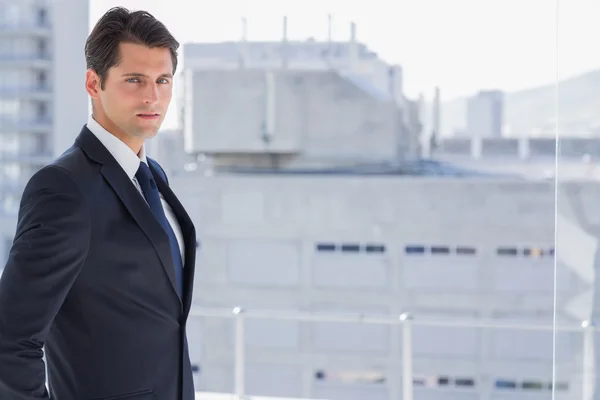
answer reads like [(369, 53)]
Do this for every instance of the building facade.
[(485, 114), (43, 103)]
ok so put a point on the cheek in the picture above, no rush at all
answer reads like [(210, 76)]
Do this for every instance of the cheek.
[(121, 99), (125, 94), (166, 96)]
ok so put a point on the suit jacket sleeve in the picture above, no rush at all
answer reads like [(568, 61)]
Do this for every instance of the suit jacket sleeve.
[(49, 249)]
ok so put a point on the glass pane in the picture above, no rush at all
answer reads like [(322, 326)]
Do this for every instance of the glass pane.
[(578, 191), (374, 259), (374, 188)]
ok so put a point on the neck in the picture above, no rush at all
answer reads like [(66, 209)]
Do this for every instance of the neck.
[(134, 143)]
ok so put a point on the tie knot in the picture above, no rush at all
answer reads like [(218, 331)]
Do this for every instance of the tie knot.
[(143, 173)]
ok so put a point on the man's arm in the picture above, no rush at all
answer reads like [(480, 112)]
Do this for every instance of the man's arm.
[(50, 246)]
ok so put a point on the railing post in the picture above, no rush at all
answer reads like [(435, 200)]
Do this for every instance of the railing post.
[(407, 361), (239, 353), (588, 365)]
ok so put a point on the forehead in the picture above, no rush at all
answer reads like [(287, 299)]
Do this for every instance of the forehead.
[(139, 58)]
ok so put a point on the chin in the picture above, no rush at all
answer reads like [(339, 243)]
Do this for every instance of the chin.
[(149, 134), (143, 133)]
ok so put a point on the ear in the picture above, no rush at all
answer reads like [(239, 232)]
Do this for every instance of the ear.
[(92, 83)]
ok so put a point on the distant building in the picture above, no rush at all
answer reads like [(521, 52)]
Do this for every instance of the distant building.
[(296, 103), (43, 104), (349, 57), (485, 114)]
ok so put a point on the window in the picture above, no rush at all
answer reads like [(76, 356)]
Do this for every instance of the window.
[(529, 252), (350, 248), (375, 248), (415, 249), (41, 110), (376, 377), (42, 16), (443, 382), (440, 250), (42, 79), (535, 385), (370, 248), (529, 385), (42, 47), (507, 251), (465, 250), (505, 384), (464, 382), (325, 247)]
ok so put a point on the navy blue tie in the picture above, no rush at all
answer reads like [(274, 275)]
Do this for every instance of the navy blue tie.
[(150, 190)]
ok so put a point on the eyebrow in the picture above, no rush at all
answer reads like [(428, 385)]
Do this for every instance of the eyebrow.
[(137, 74)]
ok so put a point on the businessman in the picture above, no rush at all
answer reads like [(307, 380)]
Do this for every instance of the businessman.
[(100, 274)]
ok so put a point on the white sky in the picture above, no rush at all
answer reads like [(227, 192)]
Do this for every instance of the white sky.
[(460, 45)]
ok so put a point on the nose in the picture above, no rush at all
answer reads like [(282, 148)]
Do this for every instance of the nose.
[(151, 94)]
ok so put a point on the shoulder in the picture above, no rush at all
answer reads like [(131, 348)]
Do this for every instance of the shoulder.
[(69, 170), (53, 201), (51, 180), (66, 174)]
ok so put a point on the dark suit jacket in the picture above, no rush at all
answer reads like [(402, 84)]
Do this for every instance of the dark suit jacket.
[(90, 277)]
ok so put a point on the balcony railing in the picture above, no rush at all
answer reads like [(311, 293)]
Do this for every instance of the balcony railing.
[(38, 60), (40, 24), (25, 124), (31, 155), (406, 322), (25, 28), (24, 90)]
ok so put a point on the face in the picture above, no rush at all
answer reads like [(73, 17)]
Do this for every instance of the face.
[(136, 93)]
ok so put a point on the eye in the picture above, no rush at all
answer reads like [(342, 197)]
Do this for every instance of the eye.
[(132, 80), (163, 80)]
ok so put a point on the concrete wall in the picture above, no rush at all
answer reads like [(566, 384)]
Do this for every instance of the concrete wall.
[(315, 114), (439, 248)]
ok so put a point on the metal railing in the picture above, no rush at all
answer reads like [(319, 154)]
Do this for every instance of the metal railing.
[(406, 321), (24, 89), (25, 57), (23, 123), (24, 24)]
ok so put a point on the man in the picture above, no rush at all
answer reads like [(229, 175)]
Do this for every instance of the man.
[(101, 269)]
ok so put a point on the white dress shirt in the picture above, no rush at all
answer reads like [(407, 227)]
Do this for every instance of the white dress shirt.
[(130, 163)]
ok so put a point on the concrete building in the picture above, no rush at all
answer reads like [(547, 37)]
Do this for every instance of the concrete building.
[(43, 103), (350, 57), (295, 103), (457, 253), (285, 119), (485, 113)]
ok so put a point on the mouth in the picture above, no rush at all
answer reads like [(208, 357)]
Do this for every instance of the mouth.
[(148, 115)]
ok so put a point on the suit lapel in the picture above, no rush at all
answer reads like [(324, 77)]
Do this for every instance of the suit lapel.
[(144, 217), (187, 228), (132, 200)]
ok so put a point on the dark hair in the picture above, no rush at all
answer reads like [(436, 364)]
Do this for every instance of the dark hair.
[(119, 25)]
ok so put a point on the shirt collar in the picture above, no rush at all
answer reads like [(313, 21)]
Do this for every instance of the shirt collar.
[(125, 157)]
